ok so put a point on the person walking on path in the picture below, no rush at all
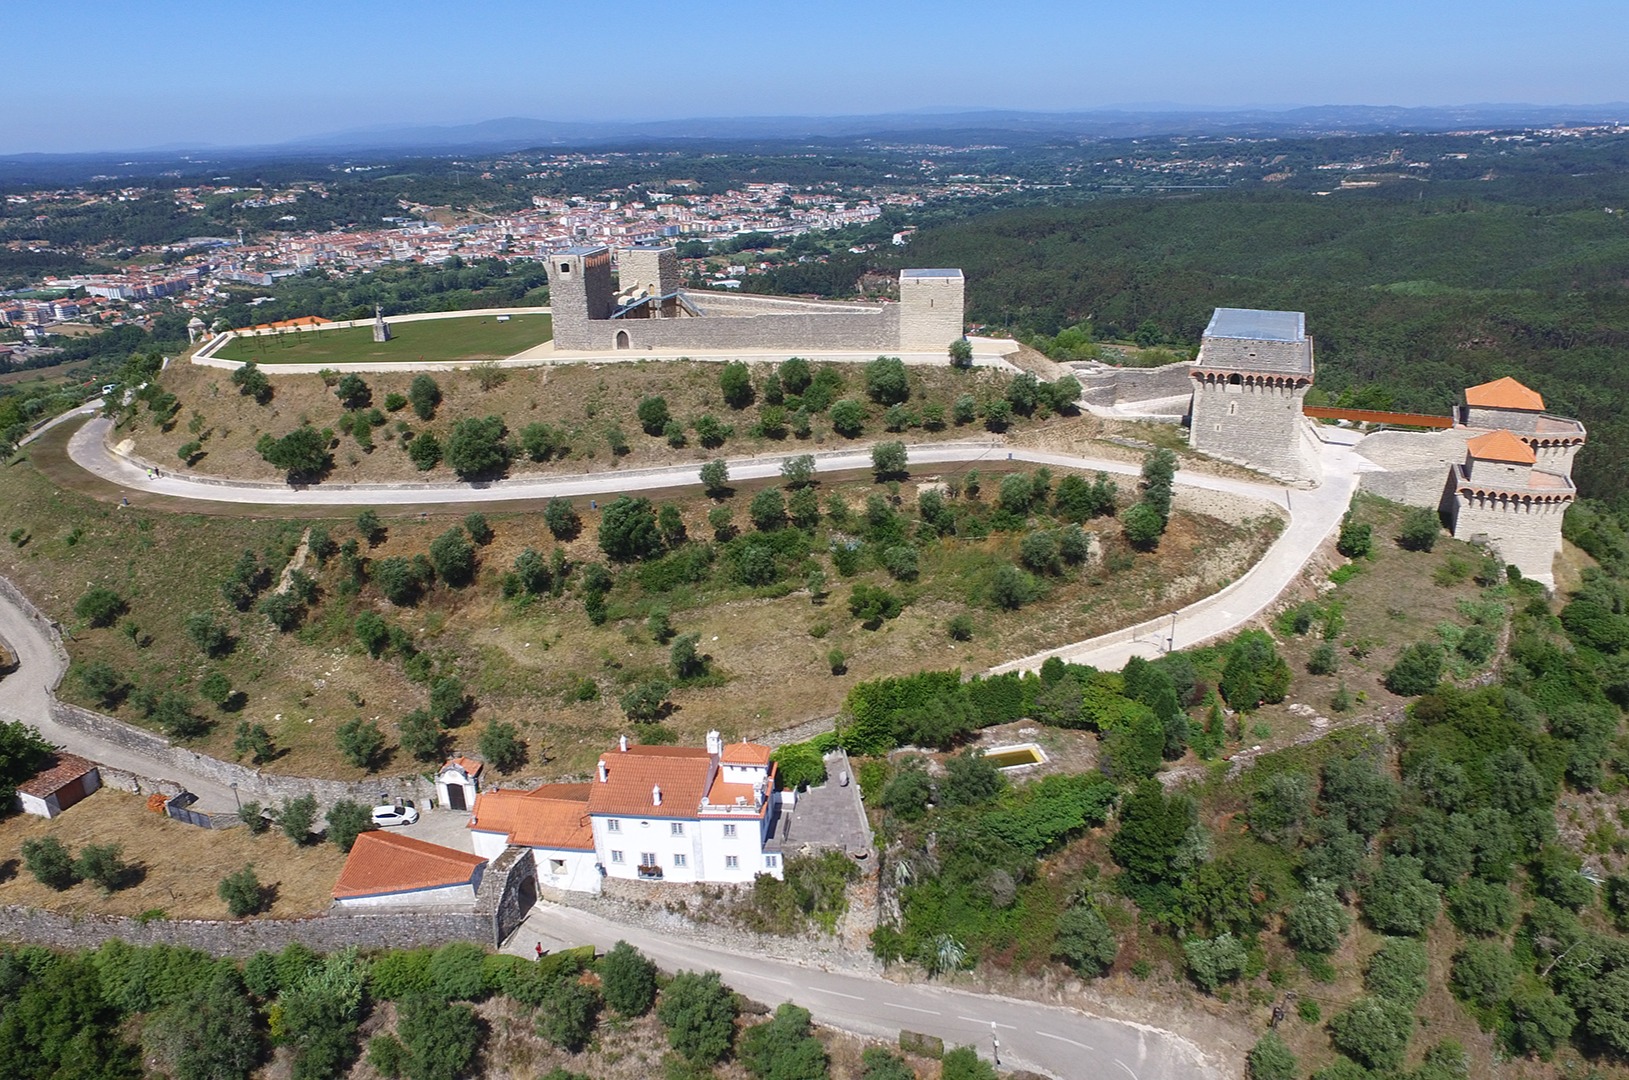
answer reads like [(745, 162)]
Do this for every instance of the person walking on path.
[(540, 950)]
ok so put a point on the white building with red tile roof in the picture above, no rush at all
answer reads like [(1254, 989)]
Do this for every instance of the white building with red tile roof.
[(58, 786), (655, 813)]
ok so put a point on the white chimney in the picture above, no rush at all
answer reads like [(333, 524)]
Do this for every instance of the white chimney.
[(656, 795), (605, 774), (623, 744), (715, 744)]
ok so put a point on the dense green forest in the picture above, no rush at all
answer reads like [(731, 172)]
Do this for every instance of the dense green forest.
[(1410, 295)]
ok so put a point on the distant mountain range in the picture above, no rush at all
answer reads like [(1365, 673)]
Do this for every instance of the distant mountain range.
[(1130, 122), (926, 125)]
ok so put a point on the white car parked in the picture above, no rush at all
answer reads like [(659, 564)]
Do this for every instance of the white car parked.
[(386, 816)]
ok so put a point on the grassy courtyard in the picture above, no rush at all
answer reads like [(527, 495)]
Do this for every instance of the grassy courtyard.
[(455, 339)]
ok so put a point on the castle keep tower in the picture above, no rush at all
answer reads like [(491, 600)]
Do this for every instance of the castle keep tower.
[(579, 292), (930, 308), (1253, 372)]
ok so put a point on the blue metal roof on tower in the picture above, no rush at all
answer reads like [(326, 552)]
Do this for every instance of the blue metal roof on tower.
[(1253, 325)]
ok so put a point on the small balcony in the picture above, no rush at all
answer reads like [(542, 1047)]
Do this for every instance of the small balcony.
[(650, 872)]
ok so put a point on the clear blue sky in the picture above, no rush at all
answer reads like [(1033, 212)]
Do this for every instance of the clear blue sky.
[(166, 72)]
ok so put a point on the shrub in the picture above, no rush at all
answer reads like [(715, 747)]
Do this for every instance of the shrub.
[(454, 557), (49, 860), (500, 743), (1398, 899), (1323, 660), (1418, 670), (784, 1048), (646, 702), (1085, 941), (653, 414), (1373, 1032), (425, 395), (361, 742), (296, 817), (562, 520), (1420, 530), (964, 410), (799, 765), (848, 418), (1270, 1059), (568, 1013), (1355, 541), (1398, 971), (628, 980), (873, 605), (457, 972), (1483, 974), (476, 448), (1316, 921), (699, 1013), (100, 606), (886, 382), (900, 561), (735, 382), (1214, 961), (346, 821), (1011, 588), (628, 530), (961, 353), (888, 461), (242, 892), (767, 510), (960, 627)]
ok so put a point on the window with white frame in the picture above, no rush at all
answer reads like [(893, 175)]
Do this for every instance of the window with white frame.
[(729, 832), (616, 856), (680, 860), (772, 861), (676, 828), (613, 825), (731, 862)]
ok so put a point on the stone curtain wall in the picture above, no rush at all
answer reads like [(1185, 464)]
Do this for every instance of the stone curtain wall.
[(793, 331), (252, 784), (324, 933)]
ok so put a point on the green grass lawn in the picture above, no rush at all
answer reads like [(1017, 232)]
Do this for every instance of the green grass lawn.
[(451, 339)]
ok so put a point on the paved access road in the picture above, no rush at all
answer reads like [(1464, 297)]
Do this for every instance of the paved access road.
[(1049, 1038)]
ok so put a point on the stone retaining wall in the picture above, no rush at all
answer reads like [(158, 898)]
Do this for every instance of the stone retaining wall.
[(47, 627), (251, 783), (324, 933)]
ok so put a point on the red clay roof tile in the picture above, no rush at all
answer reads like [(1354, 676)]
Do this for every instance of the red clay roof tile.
[(383, 862)]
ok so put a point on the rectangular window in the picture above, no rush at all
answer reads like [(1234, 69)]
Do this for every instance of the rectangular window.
[(679, 860), (729, 832), (676, 828), (731, 862), (616, 856), (613, 825), (772, 861)]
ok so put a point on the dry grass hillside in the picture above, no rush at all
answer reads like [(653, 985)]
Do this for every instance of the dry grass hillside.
[(584, 402)]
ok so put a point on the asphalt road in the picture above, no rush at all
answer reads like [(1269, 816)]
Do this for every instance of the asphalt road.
[(1051, 1039)]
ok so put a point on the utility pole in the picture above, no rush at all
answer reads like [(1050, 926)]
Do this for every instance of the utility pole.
[(995, 1044)]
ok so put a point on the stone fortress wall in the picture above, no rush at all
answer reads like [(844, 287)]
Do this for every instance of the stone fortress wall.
[(1256, 424), (927, 318)]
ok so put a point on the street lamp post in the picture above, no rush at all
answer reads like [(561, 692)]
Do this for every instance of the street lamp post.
[(235, 797), (995, 1044)]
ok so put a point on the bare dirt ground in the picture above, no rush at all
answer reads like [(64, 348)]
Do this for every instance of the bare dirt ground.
[(178, 866)]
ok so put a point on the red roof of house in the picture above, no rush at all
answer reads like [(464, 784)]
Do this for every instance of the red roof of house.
[(386, 862), (1505, 393), (65, 769), (679, 771), (552, 816), (470, 766), (1501, 446), (745, 753)]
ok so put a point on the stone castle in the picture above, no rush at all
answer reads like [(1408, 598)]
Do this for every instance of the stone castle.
[(647, 311), (1498, 471)]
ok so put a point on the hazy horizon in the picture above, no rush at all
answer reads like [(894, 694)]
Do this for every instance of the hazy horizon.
[(182, 75)]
